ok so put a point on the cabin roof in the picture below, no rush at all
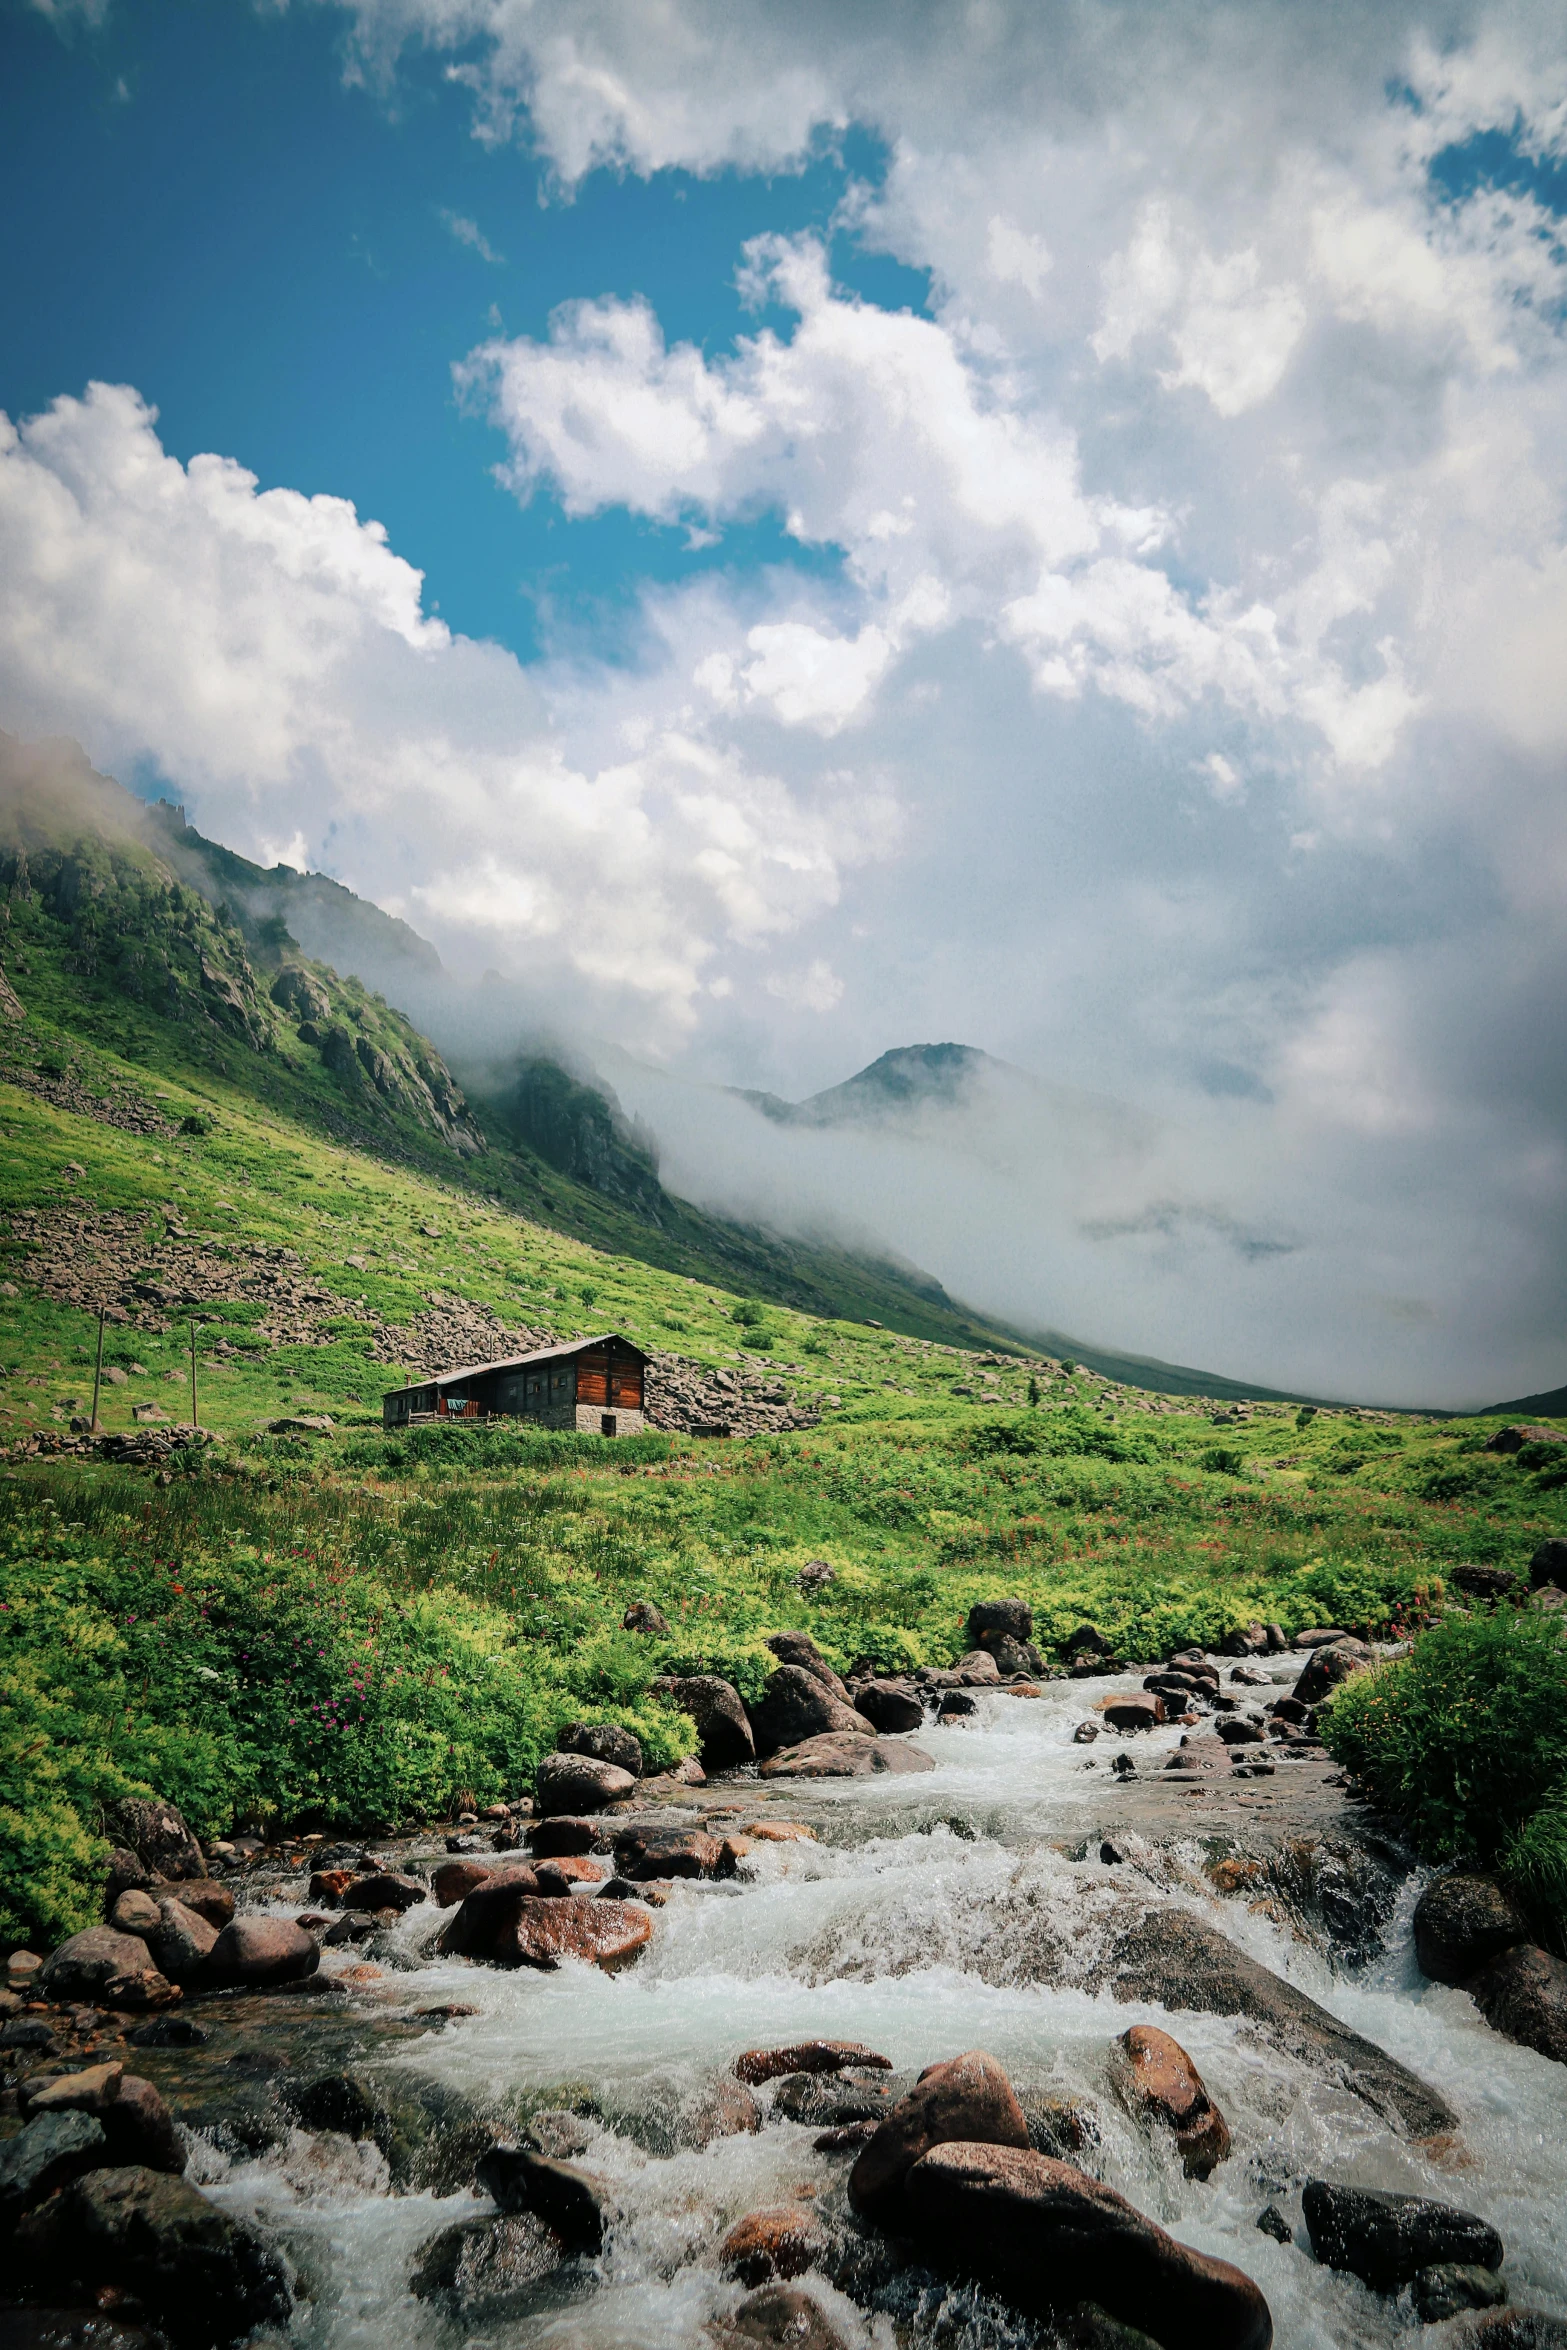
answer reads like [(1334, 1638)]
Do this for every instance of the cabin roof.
[(540, 1354)]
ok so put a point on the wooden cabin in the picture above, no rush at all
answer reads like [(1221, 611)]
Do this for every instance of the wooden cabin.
[(594, 1384)]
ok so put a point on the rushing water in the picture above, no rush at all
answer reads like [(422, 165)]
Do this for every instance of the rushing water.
[(936, 1912)]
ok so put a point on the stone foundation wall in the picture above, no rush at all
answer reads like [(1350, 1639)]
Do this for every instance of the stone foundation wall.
[(589, 1419)]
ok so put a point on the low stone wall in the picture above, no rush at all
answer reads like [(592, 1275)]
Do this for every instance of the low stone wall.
[(590, 1417)]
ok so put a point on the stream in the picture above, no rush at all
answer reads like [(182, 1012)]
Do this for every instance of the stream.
[(953, 1909)]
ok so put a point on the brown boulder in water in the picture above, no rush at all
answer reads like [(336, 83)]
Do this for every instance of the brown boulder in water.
[(807, 2056), (782, 2241), (1463, 1921), (796, 1705), (1156, 2077), (837, 1757), (969, 2098), (1523, 1995)]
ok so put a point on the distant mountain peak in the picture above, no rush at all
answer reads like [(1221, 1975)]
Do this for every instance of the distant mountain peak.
[(909, 1077)]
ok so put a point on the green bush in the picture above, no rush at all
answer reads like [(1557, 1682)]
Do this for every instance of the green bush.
[(1466, 1737), (1222, 1460)]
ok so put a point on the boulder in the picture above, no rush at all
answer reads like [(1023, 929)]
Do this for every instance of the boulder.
[(104, 1968), (1046, 2232), (968, 2097), (551, 1839), (838, 1757), (798, 1648), (1170, 1958), (645, 1853), (1332, 1664), (157, 1834), (126, 1872), (1512, 2329), (1012, 1658), (829, 2101), (576, 2206), (1523, 1995), (1086, 1641), (1248, 1640), (1386, 2239), (785, 2319), (485, 1915), (1452, 2287), (578, 1783), (204, 2278), (141, 2129), (1319, 1636), (890, 1707), (1481, 1582), (52, 2149), (719, 2109), (521, 1928), (1461, 1922), (1157, 2079), (208, 1899), (603, 1742), (807, 2056), (1522, 1432), (181, 1942), (956, 1705), (1549, 1564), (977, 1668), (92, 2090), (1236, 1732), (990, 1620), (643, 1616), (456, 1879), (572, 1873), (263, 1950), (386, 1889), (721, 1720), (783, 2241), (1139, 1712), (795, 1705), (135, 1912), (481, 2270)]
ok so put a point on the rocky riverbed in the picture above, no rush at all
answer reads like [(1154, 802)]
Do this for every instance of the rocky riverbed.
[(1196, 2046)]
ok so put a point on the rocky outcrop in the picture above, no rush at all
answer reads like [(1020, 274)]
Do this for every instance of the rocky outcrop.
[(1158, 2081), (694, 1399), (1461, 1922), (966, 2098), (722, 1723), (1386, 2240), (156, 1832), (1047, 2234)]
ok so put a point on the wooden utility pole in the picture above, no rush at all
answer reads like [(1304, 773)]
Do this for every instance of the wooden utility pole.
[(195, 1423), (97, 1375)]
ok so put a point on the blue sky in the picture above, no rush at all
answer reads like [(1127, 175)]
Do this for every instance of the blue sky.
[(791, 532)]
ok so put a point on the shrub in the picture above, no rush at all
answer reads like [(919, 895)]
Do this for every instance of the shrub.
[(1222, 1460)]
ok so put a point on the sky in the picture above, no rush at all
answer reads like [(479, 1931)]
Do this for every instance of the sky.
[(787, 532)]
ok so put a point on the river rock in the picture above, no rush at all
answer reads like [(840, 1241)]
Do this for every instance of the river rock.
[(208, 1899), (135, 1912), (795, 1705), (456, 1879), (837, 1757), (783, 2241), (486, 1916), (205, 2278), (603, 1742), (807, 2056), (105, 1968), (1549, 1564), (798, 1648), (126, 1872), (786, 2319), (1247, 1640), (263, 1950), (141, 2129), (480, 2270), (1236, 1732), (52, 2149), (1332, 1664), (956, 1705), (579, 1783), (1318, 1636), (92, 2091), (643, 1616), (829, 2100), (1157, 2078), (643, 1854), (181, 1943), (1047, 2232), (718, 2109), (889, 1706), (157, 1834), (1510, 2329), (1170, 1958), (1387, 2239), (576, 2205), (968, 2097), (1452, 2287), (1461, 1922), (999, 1619), (550, 1839), (1012, 1658), (1140, 1712), (570, 1874), (534, 1931), (1523, 1995), (722, 1723), (386, 1889), (977, 1669)]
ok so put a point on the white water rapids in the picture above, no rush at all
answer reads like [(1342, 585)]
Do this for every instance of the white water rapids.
[(920, 1938)]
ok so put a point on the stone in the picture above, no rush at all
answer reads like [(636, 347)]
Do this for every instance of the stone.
[(486, 1915), (1134, 1713), (181, 1943), (126, 1873), (889, 1706), (91, 2091), (795, 1705), (169, 2031), (977, 1668), (756, 2065), (549, 1839), (956, 1705), (579, 1783), (1318, 1637), (52, 2149), (990, 1620), (1236, 1732), (134, 1913), (1481, 1582), (329, 1885), (1045, 2231), (603, 1742), (1085, 1641), (1249, 1640), (480, 2270), (90, 1964), (1157, 2078), (527, 1929), (1523, 1995), (1513, 1439), (966, 2098), (829, 2100), (1386, 2239), (27, 2031), (643, 1854), (386, 1889), (573, 2204), (1548, 1566), (204, 2277), (141, 2129), (1012, 1658), (262, 1950), (783, 2241), (1273, 2223), (643, 1616), (786, 2319), (1085, 1733), (1331, 1665), (722, 1723), (798, 1648), (570, 1874), (1453, 2286), (157, 1834), (1170, 1958), (848, 2138), (780, 1831), (456, 1879), (837, 1757), (719, 2109), (208, 1899), (1461, 1922), (1512, 2329)]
